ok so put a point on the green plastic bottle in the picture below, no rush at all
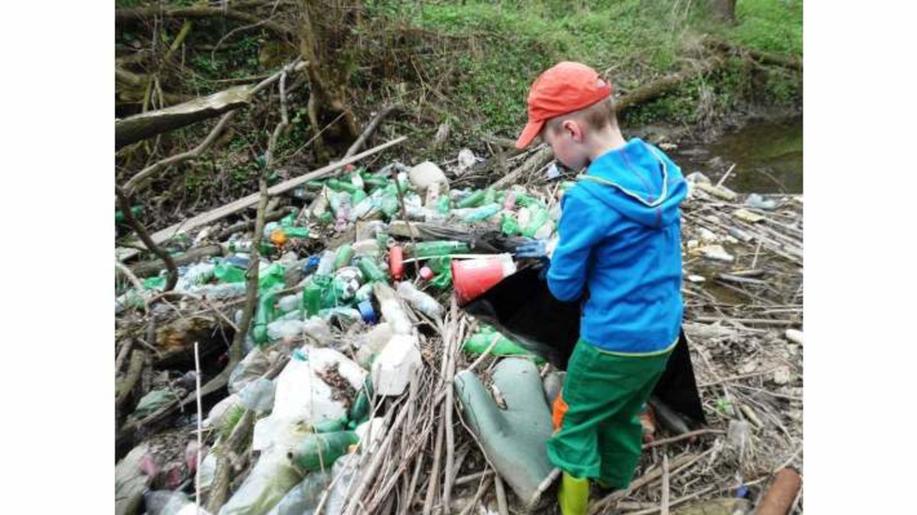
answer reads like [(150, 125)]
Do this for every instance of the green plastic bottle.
[(320, 450), (226, 273), (539, 217), (526, 200), (378, 182), (296, 232), (490, 196), (265, 315), (510, 225), (343, 256), (442, 205), (312, 298), (473, 200), (288, 221), (440, 264), (425, 249), (154, 283), (482, 213), (371, 271), (359, 196), (271, 277), (135, 210), (481, 341), (337, 185)]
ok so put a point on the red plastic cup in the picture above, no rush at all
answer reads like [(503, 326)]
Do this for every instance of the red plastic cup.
[(471, 278), (396, 262)]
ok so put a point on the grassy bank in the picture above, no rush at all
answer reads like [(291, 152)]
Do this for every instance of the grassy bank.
[(632, 41)]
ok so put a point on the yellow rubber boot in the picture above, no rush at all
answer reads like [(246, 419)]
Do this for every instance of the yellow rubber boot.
[(573, 495)]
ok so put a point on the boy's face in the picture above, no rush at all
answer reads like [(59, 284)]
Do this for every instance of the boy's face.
[(568, 144)]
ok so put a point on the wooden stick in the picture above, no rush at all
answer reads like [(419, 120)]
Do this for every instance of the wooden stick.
[(367, 132), (449, 355), (240, 204), (683, 436), (725, 175), (197, 470), (501, 495), (664, 508)]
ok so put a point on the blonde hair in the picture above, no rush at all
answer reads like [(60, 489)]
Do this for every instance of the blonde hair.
[(596, 116)]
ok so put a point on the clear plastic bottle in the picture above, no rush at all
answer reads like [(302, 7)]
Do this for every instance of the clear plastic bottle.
[(420, 300)]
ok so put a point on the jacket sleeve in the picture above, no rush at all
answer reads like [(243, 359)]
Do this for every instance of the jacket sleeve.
[(579, 229)]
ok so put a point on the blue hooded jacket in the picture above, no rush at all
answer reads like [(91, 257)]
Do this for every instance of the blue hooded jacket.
[(620, 240)]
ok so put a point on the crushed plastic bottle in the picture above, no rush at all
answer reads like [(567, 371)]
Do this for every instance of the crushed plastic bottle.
[(482, 213), (258, 395), (420, 300), (391, 309), (371, 271)]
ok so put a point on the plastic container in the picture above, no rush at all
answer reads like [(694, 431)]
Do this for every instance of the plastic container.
[(473, 277), (280, 329), (394, 367), (226, 273), (303, 498), (420, 300), (426, 273), (396, 262), (481, 341), (258, 395)]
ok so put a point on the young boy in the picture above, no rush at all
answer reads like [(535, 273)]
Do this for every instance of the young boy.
[(619, 250)]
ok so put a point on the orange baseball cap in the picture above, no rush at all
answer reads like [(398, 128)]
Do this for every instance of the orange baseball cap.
[(561, 89)]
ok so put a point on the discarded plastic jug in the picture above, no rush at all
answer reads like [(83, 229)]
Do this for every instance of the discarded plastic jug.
[(319, 451), (425, 249), (393, 369), (396, 262), (420, 300), (475, 276)]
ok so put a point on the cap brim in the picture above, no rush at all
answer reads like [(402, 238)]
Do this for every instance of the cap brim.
[(530, 132)]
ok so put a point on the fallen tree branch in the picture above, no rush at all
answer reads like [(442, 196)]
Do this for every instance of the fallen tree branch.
[(134, 182), (530, 165), (757, 55), (124, 201), (222, 476), (139, 13), (141, 126), (665, 84), (147, 268), (367, 132)]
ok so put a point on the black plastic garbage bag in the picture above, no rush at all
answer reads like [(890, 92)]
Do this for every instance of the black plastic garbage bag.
[(523, 309)]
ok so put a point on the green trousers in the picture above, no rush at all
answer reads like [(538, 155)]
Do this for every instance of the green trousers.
[(597, 433)]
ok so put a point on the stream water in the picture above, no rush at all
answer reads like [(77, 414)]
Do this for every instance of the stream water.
[(767, 155)]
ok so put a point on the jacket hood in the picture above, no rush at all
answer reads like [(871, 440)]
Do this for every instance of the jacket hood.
[(638, 181)]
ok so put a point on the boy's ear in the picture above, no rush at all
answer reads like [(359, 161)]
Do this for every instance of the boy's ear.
[(574, 129)]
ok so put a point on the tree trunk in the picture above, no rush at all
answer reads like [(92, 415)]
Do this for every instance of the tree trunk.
[(724, 10), (326, 42)]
